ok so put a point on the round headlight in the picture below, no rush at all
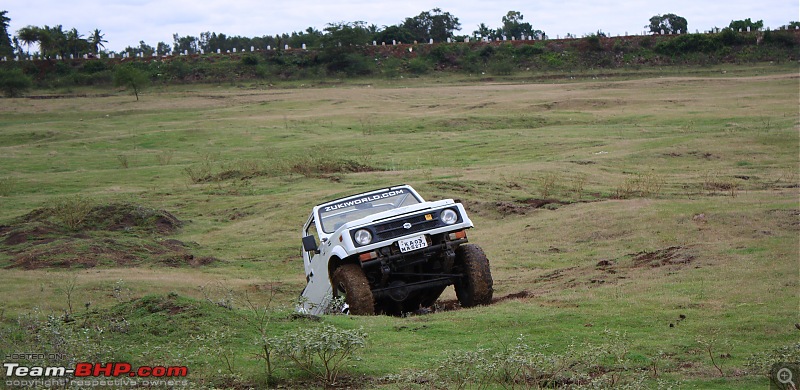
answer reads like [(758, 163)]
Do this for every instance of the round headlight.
[(363, 237), (448, 216)]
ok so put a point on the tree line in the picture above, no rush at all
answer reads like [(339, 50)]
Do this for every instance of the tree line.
[(434, 24)]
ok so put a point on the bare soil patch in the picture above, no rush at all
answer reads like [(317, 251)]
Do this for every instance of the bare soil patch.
[(513, 207), (674, 255), (452, 304), (110, 235)]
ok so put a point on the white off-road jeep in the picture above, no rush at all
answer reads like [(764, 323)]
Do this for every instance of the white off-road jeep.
[(389, 251)]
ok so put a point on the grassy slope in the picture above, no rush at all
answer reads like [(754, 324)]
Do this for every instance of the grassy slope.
[(489, 144)]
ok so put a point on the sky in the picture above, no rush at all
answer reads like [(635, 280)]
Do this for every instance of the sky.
[(126, 22)]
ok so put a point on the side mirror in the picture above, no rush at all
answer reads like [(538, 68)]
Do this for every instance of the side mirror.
[(310, 244)]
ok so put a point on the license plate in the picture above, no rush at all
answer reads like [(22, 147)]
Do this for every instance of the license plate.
[(412, 244)]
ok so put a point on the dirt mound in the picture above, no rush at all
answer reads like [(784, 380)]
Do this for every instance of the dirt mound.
[(674, 255), (105, 235), (116, 217)]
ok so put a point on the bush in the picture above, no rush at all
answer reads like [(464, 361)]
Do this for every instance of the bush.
[(447, 54), (14, 83), (320, 352), (592, 43), (358, 65), (93, 66), (502, 66), (419, 66), (780, 38), (530, 50), (71, 211), (690, 43), (250, 60), (390, 67)]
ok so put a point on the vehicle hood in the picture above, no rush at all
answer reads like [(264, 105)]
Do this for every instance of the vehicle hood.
[(395, 213)]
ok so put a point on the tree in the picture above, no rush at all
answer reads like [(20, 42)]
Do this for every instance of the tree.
[(742, 25), (28, 35), (396, 33), (162, 48), (484, 31), (143, 48), (13, 82), (97, 41), (74, 43), (53, 40), (130, 77), (514, 27), (340, 43), (669, 23), (185, 44), (433, 24), (5, 38)]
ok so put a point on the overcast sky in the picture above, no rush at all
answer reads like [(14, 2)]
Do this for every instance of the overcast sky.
[(126, 22)]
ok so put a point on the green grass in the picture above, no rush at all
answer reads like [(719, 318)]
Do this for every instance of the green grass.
[(724, 145)]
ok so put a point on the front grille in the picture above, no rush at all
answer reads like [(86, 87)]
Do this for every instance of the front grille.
[(384, 231), (394, 229)]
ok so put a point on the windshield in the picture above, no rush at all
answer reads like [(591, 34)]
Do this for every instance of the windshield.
[(337, 213)]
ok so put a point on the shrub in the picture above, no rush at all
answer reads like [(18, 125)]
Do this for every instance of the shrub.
[(93, 66), (419, 66), (7, 185), (390, 67), (358, 65), (780, 38), (502, 66), (14, 83), (71, 211), (689, 43), (320, 352), (250, 60), (530, 50), (592, 43)]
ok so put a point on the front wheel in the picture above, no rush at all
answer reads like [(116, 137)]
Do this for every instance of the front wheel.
[(475, 286), (350, 283)]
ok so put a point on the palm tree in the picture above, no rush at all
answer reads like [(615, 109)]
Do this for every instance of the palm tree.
[(75, 44), (56, 40), (484, 31), (28, 35), (96, 39)]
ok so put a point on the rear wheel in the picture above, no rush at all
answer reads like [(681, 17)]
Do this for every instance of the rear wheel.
[(350, 283), (475, 286)]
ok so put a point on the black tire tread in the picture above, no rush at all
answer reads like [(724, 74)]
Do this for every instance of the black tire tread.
[(476, 287), (358, 293)]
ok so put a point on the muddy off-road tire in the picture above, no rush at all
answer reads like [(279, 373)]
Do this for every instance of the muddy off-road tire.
[(349, 282), (475, 287)]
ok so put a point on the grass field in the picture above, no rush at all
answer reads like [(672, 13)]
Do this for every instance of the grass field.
[(642, 228)]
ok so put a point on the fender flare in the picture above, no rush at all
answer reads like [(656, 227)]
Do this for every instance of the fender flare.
[(337, 258)]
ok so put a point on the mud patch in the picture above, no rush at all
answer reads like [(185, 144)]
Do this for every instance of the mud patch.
[(554, 275), (110, 235), (453, 304), (506, 208), (674, 255)]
